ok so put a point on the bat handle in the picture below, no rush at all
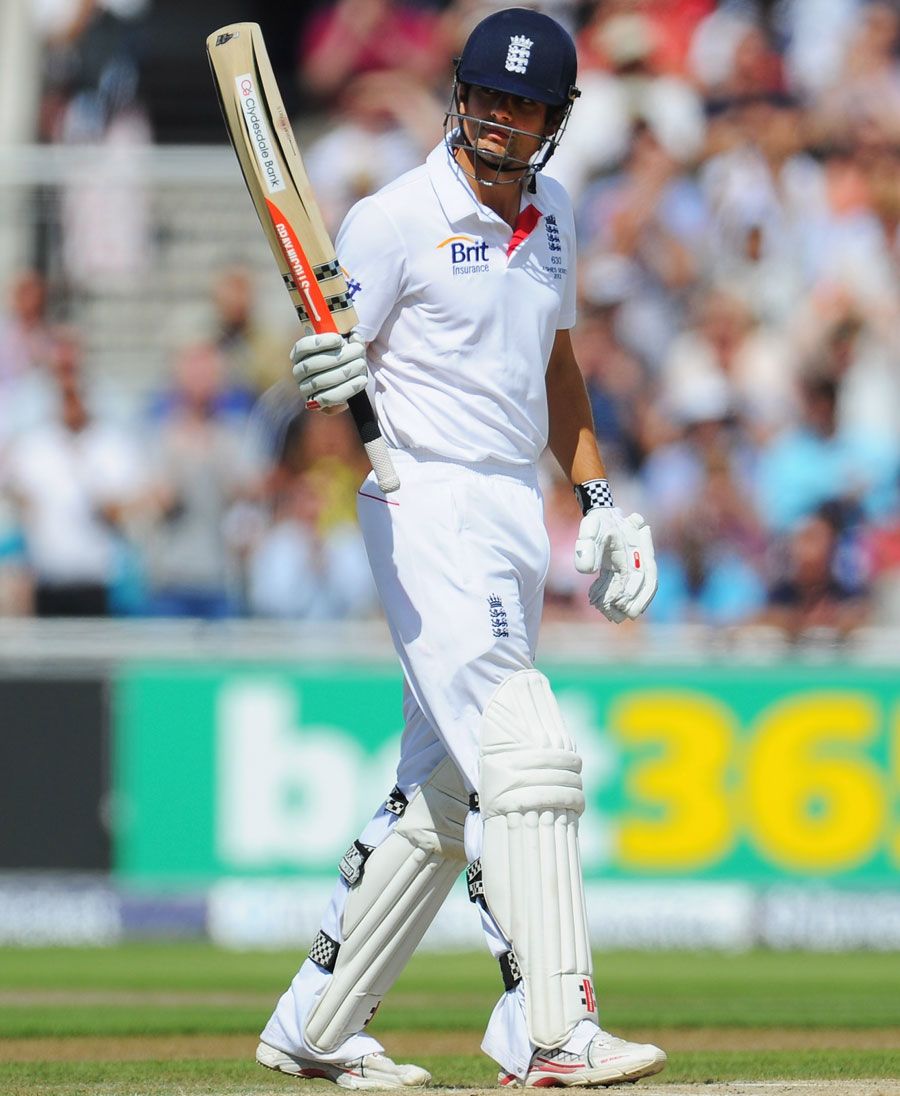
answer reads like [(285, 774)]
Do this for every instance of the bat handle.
[(373, 442)]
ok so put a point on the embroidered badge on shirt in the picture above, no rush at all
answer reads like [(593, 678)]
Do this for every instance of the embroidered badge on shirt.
[(499, 619), (552, 228)]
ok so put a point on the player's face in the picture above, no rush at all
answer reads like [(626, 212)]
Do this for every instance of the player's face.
[(512, 129)]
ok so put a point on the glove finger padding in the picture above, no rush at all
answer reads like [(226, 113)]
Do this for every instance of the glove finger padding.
[(313, 344), (329, 379), (638, 585), (598, 597), (320, 353), (329, 369), (593, 540), (642, 562)]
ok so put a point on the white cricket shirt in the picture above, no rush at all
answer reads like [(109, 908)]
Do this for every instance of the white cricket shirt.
[(460, 311)]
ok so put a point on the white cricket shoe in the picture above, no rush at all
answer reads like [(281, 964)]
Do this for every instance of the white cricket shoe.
[(370, 1071), (607, 1060)]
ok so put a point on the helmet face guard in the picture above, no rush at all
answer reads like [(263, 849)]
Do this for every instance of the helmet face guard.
[(518, 52), (498, 168)]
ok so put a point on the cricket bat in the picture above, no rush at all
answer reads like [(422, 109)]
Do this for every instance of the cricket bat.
[(264, 143)]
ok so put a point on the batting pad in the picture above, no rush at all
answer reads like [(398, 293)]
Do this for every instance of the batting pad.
[(531, 798), (403, 885)]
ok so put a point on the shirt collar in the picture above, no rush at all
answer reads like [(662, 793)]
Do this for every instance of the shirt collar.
[(456, 197)]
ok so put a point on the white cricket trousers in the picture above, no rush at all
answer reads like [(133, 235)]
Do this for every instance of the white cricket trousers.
[(459, 554)]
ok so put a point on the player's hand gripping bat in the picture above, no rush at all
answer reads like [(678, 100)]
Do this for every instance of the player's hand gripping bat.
[(273, 171)]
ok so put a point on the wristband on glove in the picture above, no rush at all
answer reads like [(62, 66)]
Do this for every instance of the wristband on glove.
[(593, 493)]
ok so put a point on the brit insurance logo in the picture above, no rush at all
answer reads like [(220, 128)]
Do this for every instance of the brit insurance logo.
[(519, 53), (468, 254)]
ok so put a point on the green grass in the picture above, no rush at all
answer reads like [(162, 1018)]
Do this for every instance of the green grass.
[(204, 991), (678, 990)]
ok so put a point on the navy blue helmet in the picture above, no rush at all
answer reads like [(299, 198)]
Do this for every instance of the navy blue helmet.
[(516, 52), (521, 52)]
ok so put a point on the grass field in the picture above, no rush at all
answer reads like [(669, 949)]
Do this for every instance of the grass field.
[(148, 1020)]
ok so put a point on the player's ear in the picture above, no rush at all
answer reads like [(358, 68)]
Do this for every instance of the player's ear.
[(553, 120), (462, 96)]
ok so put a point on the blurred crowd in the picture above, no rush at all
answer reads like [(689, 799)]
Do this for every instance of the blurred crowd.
[(735, 170)]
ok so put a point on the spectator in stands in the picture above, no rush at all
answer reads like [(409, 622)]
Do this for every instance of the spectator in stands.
[(813, 597), (377, 66), (704, 430), (73, 478), (385, 123), (866, 92), (699, 490), (309, 563), (93, 97), (25, 335), (842, 241), (760, 175), (812, 462), (352, 37), (232, 397), (712, 558), (732, 55), (761, 186), (726, 344), (198, 466), (617, 382), (651, 214), (252, 354), (855, 345), (26, 347), (815, 37), (625, 88), (883, 181)]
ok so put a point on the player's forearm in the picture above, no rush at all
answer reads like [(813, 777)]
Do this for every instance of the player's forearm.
[(571, 428)]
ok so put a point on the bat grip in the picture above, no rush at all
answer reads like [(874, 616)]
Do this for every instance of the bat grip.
[(373, 443)]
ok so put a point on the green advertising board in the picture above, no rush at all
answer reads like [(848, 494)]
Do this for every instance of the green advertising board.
[(756, 774)]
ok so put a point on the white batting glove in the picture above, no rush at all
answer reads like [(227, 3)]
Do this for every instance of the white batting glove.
[(329, 369), (619, 548)]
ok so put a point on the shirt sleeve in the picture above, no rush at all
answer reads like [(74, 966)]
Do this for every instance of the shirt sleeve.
[(371, 251)]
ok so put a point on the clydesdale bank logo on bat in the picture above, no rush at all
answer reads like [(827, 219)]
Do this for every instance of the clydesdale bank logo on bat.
[(260, 138)]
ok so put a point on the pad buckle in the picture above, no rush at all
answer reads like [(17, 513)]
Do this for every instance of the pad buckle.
[(324, 951), (475, 882), (353, 862), (396, 802), (509, 968)]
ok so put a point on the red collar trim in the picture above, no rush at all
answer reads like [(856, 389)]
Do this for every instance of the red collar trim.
[(523, 228)]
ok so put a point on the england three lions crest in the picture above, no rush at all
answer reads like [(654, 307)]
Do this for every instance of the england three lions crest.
[(519, 53)]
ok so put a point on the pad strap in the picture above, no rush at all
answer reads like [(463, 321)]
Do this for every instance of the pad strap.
[(509, 968), (475, 882), (324, 950), (353, 862), (394, 891)]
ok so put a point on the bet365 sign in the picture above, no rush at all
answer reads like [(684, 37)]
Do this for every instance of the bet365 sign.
[(756, 774)]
